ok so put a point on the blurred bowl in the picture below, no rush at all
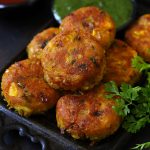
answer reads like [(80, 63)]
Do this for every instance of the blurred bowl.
[(14, 8), (9, 4), (107, 7), (131, 19)]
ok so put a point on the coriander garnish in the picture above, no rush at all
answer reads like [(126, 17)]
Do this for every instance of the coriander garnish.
[(132, 102), (141, 146)]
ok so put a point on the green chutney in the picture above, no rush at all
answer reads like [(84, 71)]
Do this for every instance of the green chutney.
[(120, 10)]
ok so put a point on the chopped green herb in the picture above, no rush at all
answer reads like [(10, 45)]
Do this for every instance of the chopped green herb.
[(83, 67), (73, 61), (77, 38), (140, 64), (126, 96), (132, 102), (142, 146), (94, 61)]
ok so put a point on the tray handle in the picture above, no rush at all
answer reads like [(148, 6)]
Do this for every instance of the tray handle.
[(23, 131)]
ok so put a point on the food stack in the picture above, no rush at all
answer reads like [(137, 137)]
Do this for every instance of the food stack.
[(67, 67)]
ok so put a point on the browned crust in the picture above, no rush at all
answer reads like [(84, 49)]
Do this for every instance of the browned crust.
[(25, 90), (39, 41), (87, 116), (73, 60), (119, 64), (93, 20), (138, 36)]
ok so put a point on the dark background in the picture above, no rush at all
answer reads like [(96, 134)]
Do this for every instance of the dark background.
[(17, 28)]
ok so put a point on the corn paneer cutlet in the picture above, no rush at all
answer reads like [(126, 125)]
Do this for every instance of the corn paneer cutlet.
[(25, 90), (138, 36), (93, 20), (36, 46), (119, 64), (73, 60), (87, 116)]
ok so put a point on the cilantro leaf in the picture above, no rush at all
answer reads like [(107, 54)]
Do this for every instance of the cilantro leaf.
[(121, 108), (141, 146), (112, 87), (128, 92), (132, 124), (140, 64), (126, 96), (132, 102)]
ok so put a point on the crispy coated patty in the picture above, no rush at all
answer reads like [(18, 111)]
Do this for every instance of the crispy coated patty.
[(138, 36), (93, 20), (119, 64), (25, 90), (40, 41), (87, 116), (73, 60)]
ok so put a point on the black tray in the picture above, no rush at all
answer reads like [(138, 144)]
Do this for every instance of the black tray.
[(43, 128)]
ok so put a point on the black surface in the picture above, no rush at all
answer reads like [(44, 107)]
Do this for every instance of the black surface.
[(12, 6), (14, 136), (16, 30), (17, 27)]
